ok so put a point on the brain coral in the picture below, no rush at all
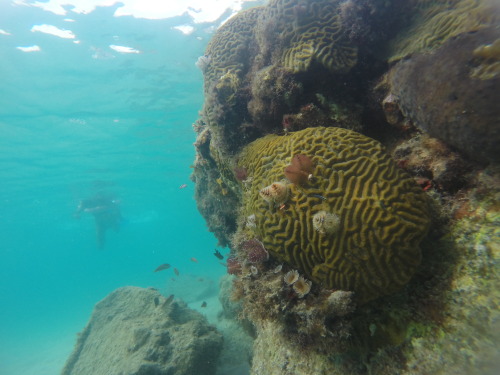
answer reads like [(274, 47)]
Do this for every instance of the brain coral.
[(434, 22), (228, 48), (308, 31), (382, 213), (320, 38)]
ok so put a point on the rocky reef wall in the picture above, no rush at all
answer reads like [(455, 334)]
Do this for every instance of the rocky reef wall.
[(347, 154)]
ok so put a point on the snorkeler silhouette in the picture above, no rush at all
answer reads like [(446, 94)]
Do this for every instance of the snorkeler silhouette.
[(106, 211)]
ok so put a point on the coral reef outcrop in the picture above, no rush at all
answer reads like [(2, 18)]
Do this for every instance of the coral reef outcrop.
[(432, 23), (309, 32), (138, 331), (382, 212), (440, 94), (349, 282)]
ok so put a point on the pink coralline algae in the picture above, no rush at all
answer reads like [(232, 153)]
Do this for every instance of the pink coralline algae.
[(233, 266), (287, 123), (240, 173), (255, 250)]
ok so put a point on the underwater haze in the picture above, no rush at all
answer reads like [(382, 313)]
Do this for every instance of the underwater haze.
[(93, 104)]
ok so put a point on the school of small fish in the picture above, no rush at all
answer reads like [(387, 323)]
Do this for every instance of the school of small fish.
[(166, 266)]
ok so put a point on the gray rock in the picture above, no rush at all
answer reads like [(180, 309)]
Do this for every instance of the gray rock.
[(230, 308), (443, 95), (136, 331), (236, 355)]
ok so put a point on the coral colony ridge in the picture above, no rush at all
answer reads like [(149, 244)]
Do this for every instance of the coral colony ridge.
[(347, 154)]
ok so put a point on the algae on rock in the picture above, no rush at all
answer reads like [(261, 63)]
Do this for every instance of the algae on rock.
[(440, 93), (137, 331), (421, 77), (434, 22)]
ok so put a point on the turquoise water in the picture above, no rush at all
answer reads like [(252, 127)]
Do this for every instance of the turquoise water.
[(77, 119)]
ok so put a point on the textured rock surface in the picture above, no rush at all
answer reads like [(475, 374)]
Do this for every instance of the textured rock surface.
[(276, 356), (236, 355), (309, 32), (445, 68), (136, 331), (228, 50), (434, 22), (383, 213), (439, 93)]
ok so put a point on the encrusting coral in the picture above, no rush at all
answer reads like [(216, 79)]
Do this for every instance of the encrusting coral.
[(315, 34), (434, 22), (488, 56), (303, 313), (254, 250), (382, 212), (227, 49)]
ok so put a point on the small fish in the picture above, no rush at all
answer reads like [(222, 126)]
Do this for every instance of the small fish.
[(223, 264), (162, 267), (183, 186), (317, 196), (176, 271), (204, 304), (193, 259), (278, 268), (169, 300), (218, 254)]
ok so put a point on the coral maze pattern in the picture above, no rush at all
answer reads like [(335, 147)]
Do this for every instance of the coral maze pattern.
[(305, 32), (228, 47), (437, 21), (319, 37), (383, 214)]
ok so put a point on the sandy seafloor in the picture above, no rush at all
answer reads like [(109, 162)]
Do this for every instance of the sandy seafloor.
[(78, 117)]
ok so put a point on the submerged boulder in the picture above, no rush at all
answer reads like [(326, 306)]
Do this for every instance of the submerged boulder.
[(452, 93), (137, 331)]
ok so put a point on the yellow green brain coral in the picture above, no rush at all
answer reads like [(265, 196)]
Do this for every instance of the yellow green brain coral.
[(319, 37), (227, 49), (434, 22), (382, 214)]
